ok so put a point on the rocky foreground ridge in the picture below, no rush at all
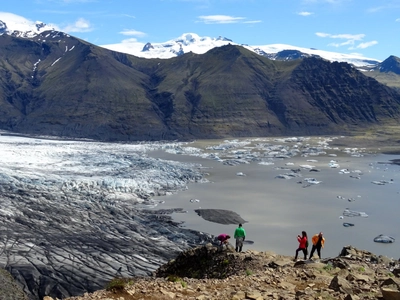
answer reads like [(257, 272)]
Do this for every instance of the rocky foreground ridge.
[(207, 272)]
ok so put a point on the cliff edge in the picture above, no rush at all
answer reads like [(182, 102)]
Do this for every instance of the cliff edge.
[(208, 272)]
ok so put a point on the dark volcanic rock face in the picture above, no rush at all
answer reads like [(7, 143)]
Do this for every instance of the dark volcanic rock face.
[(66, 87), (72, 214)]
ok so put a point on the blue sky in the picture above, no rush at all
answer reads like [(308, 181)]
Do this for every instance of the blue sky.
[(367, 27)]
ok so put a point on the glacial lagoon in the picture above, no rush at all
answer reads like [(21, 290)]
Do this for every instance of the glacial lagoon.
[(327, 181), (71, 210)]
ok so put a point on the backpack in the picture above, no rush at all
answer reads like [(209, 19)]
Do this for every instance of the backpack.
[(307, 244)]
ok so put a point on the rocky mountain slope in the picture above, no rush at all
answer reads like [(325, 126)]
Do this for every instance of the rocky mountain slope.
[(209, 272), (386, 72), (59, 85)]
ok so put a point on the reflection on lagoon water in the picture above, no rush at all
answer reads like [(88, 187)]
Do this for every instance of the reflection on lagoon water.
[(277, 209)]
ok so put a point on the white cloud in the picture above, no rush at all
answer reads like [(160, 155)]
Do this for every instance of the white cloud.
[(81, 25), (345, 36), (220, 19), (129, 16), (132, 32), (322, 34), (349, 40), (337, 45), (252, 22), (305, 13), (366, 45), (130, 41)]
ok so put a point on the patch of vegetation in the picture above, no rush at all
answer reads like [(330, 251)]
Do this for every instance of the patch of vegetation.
[(118, 284), (174, 278), (249, 272), (328, 267), (361, 269)]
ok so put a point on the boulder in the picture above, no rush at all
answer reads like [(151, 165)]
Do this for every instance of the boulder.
[(396, 272), (340, 284), (390, 289)]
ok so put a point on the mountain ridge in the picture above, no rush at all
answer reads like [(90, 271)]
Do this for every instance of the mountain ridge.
[(56, 84), (191, 42), (187, 42)]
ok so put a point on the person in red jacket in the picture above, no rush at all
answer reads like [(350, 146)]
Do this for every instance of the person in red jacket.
[(303, 243)]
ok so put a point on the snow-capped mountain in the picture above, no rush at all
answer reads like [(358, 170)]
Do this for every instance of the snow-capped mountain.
[(191, 42), (188, 42), (20, 27)]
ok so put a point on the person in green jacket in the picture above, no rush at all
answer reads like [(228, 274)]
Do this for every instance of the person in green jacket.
[(240, 236)]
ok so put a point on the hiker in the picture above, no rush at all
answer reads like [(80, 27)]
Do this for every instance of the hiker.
[(318, 242), (223, 238), (240, 236), (303, 245)]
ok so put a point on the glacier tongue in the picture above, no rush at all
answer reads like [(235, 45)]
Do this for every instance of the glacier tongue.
[(68, 214)]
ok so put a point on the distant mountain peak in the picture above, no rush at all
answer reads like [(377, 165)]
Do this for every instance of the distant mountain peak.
[(192, 42), (391, 64), (147, 47), (221, 38), (188, 38), (20, 27)]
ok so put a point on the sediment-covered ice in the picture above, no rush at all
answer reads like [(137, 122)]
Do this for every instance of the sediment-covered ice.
[(69, 214)]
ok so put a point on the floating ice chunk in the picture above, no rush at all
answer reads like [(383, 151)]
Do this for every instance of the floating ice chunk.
[(381, 182), (240, 174), (266, 163), (341, 217), (283, 176), (384, 239), (307, 166), (235, 162), (334, 165), (353, 213), (194, 200), (312, 180), (348, 224), (332, 154), (344, 171)]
